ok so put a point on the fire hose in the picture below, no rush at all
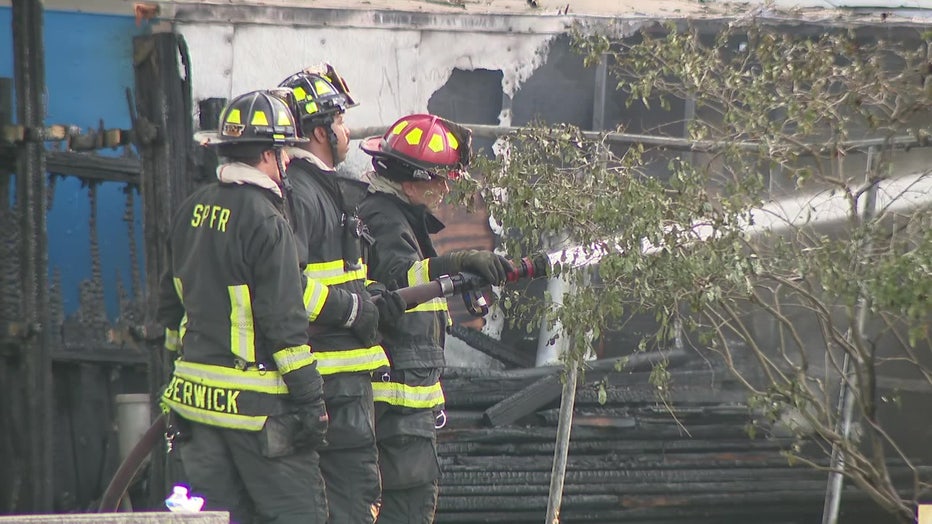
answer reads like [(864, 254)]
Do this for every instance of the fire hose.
[(469, 285)]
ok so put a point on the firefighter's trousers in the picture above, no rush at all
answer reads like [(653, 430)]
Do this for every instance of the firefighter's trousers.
[(349, 461), (408, 462), (228, 467)]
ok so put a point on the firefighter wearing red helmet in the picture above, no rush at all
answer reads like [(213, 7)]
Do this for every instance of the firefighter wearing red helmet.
[(413, 162), (245, 397), (343, 320)]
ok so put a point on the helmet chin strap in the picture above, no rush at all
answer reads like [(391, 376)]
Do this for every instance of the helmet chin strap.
[(282, 170), (286, 185), (332, 138)]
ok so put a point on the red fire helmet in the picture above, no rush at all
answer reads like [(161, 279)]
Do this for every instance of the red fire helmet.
[(428, 143)]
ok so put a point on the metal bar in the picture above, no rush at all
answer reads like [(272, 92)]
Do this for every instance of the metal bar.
[(681, 144), (848, 378), (29, 74)]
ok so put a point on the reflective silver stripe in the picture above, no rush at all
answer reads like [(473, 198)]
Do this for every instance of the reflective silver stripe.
[(242, 332), (436, 304), (419, 273), (183, 326), (213, 418), (330, 273), (408, 396), (291, 359), (266, 381), (365, 359), (172, 340), (354, 310), (315, 296), (179, 289)]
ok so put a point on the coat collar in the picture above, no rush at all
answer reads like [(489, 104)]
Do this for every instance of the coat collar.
[(239, 173)]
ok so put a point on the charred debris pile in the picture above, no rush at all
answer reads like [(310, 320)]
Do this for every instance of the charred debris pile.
[(632, 457)]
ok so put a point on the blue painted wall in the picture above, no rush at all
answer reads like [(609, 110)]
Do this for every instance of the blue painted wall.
[(88, 60)]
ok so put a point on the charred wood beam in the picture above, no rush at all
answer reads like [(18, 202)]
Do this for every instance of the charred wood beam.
[(29, 77), (475, 388), (6, 101), (93, 167), (606, 446), (643, 431), (540, 393), (73, 138), (614, 461), (84, 166), (481, 490), (456, 475), (547, 389), (491, 347), (772, 514), (162, 121), (673, 357), (98, 355)]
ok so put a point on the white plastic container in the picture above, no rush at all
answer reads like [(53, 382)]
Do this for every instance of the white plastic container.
[(133, 412)]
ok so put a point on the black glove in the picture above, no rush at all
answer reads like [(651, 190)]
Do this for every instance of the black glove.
[(493, 268), (391, 305), (314, 421), (363, 320)]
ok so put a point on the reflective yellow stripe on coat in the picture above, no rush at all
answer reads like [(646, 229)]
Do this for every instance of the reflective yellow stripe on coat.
[(242, 327), (418, 274), (210, 394), (333, 273), (418, 397), (350, 360)]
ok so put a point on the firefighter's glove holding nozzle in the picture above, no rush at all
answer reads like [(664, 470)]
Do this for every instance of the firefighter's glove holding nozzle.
[(363, 320), (493, 268), (306, 389), (391, 305)]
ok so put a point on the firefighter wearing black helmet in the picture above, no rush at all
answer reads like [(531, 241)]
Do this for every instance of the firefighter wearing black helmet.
[(245, 383), (413, 163), (344, 321)]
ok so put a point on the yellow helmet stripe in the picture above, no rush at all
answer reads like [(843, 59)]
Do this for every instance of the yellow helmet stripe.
[(399, 127), (259, 119), (322, 87), (284, 119), (436, 143), (234, 117), (414, 136)]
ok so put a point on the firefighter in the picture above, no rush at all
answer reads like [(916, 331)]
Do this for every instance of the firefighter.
[(413, 162), (344, 321), (245, 383)]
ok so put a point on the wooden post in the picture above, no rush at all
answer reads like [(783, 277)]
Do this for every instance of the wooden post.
[(29, 77), (164, 131), (9, 283), (562, 447)]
